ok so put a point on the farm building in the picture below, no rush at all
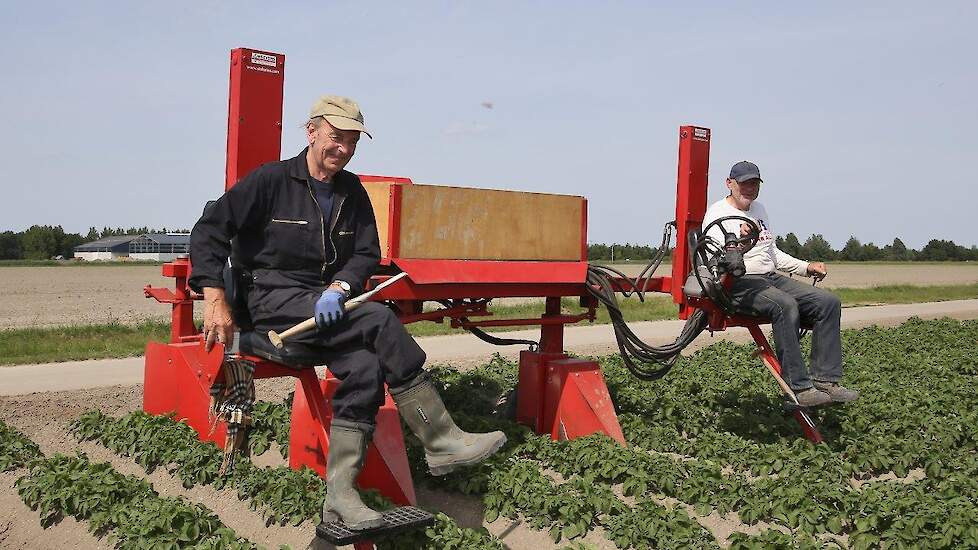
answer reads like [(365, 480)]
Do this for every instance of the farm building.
[(109, 248), (150, 246), (161, 247)]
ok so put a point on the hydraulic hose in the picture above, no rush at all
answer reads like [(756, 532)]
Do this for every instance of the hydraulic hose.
[(636, 354), (488, 338)]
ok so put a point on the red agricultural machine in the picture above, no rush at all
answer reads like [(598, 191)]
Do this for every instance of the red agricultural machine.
[(558, 395)]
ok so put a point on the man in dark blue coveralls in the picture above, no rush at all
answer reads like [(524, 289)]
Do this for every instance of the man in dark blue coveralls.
[(304, 230)]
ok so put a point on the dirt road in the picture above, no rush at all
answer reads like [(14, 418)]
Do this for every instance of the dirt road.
[(81, 295)]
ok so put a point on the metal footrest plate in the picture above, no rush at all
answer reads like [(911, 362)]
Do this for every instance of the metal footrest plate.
[(396, 520)]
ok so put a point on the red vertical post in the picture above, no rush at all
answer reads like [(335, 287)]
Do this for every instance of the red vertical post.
[(254, 111), (691, 185), (584, 230), (182, 316), (552, 336)]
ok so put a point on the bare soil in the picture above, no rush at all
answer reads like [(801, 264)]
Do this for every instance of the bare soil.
[(45, 419), (52, 296), (79, 295)]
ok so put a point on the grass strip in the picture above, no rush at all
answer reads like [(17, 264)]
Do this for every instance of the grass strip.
[(904, 294), (76, 343)]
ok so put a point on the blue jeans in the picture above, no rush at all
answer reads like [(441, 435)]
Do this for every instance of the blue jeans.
[(789, 303)]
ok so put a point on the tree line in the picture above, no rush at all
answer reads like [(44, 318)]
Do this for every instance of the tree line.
[(817, 248), (43, 242)]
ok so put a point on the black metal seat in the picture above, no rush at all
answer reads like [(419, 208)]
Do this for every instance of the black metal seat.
[(293, 355)]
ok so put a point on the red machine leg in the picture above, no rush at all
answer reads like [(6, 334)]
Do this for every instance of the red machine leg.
[(386, 468), (177, 379), (566, 398), (767, 355), (577, 402), (531, 388)]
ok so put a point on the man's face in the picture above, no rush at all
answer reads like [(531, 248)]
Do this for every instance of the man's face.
[(331, 148), (744, 193)]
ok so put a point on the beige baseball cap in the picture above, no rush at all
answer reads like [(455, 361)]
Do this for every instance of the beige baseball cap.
[(342, 112)]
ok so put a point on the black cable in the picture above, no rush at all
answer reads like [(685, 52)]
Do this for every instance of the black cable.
[(714, 288), (633, 349), (635, 353), (486, 337), (649, 269)]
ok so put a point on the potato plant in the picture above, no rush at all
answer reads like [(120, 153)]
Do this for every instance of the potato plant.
[(283, 495), (16, 450), (899, 467), (126, 508)]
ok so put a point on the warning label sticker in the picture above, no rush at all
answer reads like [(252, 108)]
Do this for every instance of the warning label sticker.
[(263, 59)]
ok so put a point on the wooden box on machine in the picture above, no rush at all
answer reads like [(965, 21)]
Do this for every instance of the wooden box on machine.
[(425, 221)]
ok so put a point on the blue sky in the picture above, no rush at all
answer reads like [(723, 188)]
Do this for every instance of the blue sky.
[(861, 116)]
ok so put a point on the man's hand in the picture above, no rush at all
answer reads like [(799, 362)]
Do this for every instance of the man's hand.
[(744, 229), (817, 270), (218, 324), (329, 307)]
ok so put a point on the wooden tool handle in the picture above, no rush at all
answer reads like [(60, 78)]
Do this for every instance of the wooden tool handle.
[(277, 338), (310, 323)]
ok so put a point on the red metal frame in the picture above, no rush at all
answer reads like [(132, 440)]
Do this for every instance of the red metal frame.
[(557, 395), (254, 111), (691, 186)]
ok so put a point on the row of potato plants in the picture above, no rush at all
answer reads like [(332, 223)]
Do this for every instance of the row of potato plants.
[(281, 494), (125, 508), (713, 435)]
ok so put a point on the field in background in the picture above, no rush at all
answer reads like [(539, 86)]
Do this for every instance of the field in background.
[(54, 296)]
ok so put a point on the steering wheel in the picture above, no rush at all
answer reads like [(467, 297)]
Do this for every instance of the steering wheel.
[(721, 259), (745, 242)]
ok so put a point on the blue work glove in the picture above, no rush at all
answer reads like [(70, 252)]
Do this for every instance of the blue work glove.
[(329, 307)]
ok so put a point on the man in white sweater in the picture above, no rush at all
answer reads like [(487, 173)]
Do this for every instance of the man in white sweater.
[(763, 292)]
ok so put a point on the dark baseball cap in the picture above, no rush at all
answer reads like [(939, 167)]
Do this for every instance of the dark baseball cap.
[(745, 170)]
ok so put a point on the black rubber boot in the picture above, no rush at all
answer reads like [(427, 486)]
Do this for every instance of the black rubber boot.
[(446, 446), (347, 453)]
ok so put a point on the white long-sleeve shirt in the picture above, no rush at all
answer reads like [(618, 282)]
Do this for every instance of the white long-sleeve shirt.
[(765, 257)]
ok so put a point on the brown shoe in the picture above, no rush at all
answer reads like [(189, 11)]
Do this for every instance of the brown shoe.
[(839, 394), (812, 397)]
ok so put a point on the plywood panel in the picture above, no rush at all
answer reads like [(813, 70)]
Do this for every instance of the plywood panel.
[(380, 198), (439, 222)]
